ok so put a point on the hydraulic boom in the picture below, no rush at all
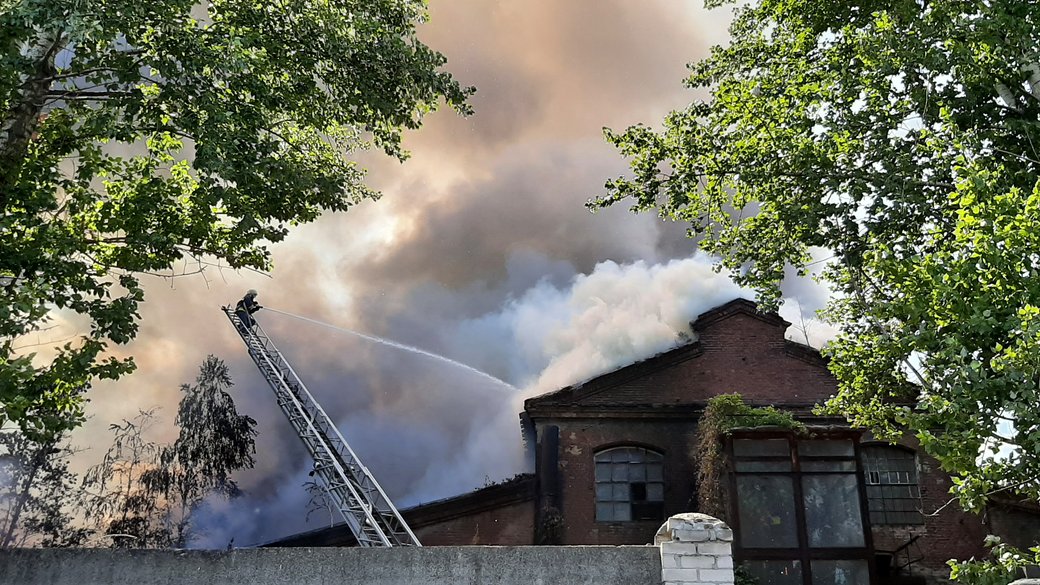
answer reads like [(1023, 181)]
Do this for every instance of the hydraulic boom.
[(364, 505)]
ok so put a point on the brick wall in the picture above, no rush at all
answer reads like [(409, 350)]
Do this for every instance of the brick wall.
[(695, 549), (580, 439), (500, 514), (509, 525), (750, 356)]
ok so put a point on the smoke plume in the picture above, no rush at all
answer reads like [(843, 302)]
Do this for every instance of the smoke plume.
[(480, 250)]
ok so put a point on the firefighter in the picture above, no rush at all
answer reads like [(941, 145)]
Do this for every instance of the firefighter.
[(246, 307)]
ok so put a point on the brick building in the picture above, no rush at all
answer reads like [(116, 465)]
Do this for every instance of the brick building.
[(614, 456)]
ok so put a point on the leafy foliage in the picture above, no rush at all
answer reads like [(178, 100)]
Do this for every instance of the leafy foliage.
[(37, 494), (898, 139), (140, 136), (1003, 566), (724, 413)]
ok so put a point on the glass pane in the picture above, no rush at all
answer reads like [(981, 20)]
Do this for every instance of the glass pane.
[(636, 455), (619, 472), (761, 447), (849, 572), (832, 512), (620, 455), (765, 506), (775, 572), (620, 492), (654, 492), (637, 472), (762, 465), (826, 448), (602, 472), (622, 512), (824, 465), (603, 492), (653, 472), (605, 512)]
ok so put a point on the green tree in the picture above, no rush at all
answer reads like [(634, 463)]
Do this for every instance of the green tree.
[(37, 494), (897, 140), (214, 441), (139, 136), (143, 494)]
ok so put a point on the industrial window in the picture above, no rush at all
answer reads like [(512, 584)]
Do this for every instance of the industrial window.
[(893, 492), (798, 511), (629, 485)]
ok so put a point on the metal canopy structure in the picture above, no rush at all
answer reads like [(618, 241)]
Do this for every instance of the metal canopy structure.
[(351, 488)]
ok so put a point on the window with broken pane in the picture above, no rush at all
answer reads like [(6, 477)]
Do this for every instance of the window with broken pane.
[(893, 492), (629, 485)]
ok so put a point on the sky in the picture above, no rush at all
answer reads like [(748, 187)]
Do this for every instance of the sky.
[(480, 250)]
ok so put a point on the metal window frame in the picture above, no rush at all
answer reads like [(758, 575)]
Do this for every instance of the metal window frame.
[(900, 511), (803, 552), (647, 452)]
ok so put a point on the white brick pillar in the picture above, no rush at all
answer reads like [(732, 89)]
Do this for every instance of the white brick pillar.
[(695, 548)]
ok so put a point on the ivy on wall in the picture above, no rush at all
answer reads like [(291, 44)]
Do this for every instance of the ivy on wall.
[(723, 414)]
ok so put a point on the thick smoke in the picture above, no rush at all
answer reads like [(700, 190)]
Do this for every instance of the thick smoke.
[(481, 250)]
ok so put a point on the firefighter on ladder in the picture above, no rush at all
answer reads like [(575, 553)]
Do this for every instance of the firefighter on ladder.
[(246, 307)]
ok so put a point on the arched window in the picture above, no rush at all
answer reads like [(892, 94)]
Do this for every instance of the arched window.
[(629, 485), (893, 490)]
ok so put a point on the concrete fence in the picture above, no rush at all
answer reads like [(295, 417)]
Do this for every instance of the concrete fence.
[(686, 561)]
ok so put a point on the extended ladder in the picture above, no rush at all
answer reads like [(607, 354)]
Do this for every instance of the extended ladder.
[(352, 490)]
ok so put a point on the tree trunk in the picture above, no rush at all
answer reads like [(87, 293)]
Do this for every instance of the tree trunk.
[(22, 120), (23, 496)]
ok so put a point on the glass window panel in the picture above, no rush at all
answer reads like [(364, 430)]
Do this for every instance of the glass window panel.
[(622, 512), (655, 492), (605, 512), (832, 511), (761, 447), (775, 572), (637, 472), (654, 472), (620, 455), (765, 506), (620, 492), (762, 465), (602, 472), (603, 492), (636, 455), (619, 472), (823, 465), (895, 492), (825, 448), (841, 572)]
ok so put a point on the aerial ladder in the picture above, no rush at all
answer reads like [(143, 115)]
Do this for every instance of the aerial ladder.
[(351, 488)]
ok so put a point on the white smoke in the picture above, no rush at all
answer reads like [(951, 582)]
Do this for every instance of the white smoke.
[(557, 335)]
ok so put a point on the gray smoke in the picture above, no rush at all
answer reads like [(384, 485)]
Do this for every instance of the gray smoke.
[(480, 250)]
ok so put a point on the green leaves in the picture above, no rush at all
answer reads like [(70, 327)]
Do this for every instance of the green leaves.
[(900, 137), (139, 135)]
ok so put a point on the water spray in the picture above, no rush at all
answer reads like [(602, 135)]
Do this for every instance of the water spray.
[(401, 346)]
